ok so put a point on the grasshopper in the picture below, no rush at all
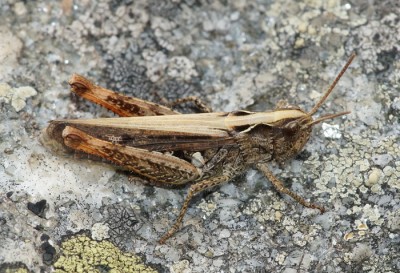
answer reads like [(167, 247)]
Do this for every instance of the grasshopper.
[(171, 149)]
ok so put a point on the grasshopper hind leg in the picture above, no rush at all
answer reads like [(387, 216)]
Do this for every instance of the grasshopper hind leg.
[(201, 106), (151, 165), (120, 104)]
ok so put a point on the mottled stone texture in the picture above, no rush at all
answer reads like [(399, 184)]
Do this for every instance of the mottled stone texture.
[(234, 55)]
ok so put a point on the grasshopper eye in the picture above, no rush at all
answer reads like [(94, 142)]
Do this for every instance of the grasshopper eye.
[(292, 126)]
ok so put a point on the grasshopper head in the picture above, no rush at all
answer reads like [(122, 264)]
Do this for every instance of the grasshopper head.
[(295, 125)]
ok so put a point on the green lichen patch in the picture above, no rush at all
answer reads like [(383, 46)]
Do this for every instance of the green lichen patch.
[(82, 254), (17, 267)]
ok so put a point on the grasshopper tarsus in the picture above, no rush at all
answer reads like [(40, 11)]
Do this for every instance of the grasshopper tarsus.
[(282, 189)]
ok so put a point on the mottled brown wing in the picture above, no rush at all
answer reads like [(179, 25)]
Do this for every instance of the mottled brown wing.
[(193, 132)]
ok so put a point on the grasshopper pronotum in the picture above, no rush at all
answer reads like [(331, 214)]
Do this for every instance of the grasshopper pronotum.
[(205, 150)]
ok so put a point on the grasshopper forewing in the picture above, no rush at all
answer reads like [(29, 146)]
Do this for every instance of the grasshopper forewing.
[(205, 150)]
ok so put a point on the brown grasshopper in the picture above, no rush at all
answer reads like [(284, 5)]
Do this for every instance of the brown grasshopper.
[(207, 149)]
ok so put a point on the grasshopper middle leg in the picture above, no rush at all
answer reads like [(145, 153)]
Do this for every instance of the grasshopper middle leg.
[(193, 190)]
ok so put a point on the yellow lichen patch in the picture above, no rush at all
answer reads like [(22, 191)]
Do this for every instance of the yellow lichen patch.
[(82, 254), (16, 270)]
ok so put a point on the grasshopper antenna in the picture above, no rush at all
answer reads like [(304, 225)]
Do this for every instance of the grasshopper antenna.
[(329, 116), (332, 86)]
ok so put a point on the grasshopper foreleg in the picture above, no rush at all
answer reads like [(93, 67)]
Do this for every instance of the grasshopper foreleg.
[(281, 188)]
